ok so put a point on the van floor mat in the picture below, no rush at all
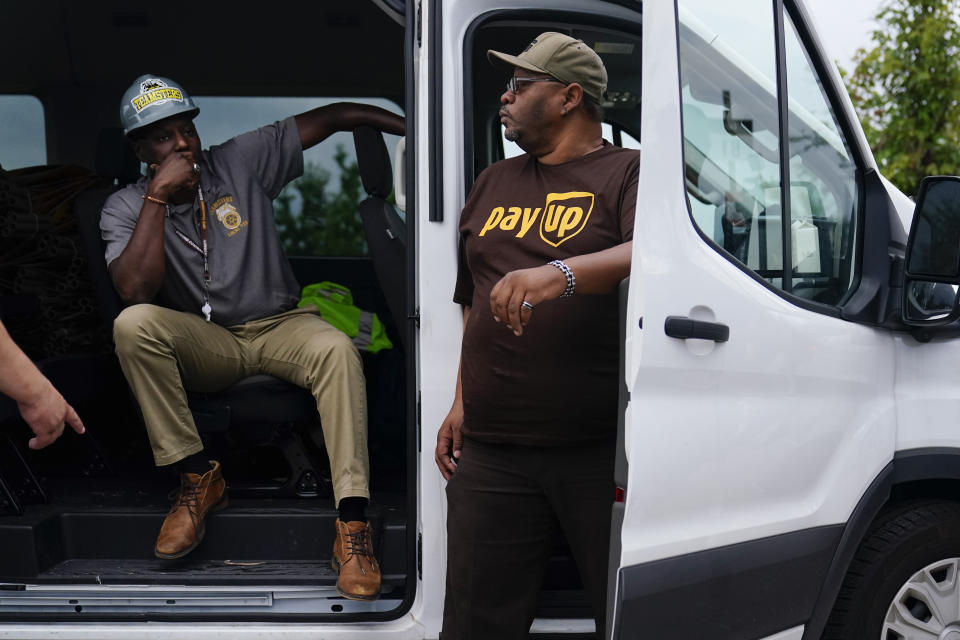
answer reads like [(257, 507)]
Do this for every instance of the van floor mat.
[(198, 573), (291, 539)]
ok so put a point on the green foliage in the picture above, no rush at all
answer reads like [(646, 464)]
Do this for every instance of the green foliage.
[(327, 224), (906, 90)]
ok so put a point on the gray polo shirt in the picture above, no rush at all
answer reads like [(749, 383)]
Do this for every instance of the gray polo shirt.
[(250, 275)]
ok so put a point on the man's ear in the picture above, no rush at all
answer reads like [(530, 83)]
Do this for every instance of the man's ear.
[(136, 144), (572, 97)]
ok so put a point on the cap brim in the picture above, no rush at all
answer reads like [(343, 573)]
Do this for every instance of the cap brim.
[(506, 62)]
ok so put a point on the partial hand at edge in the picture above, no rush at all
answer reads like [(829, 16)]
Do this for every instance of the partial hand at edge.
[(47, 416)]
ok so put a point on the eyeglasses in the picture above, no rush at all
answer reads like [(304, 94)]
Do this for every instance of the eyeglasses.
[(513, 84)]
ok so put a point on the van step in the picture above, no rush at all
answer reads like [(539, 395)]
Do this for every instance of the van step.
[(112, 571), (143, 599), (244, 544)]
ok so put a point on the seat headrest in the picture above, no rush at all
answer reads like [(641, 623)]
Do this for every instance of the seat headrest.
[(373, 161), (115, 157)]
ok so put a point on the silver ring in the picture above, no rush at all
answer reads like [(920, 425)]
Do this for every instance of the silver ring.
[(526, 305), (196, 168)]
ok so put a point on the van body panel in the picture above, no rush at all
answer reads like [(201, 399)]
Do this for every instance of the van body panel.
[(765, 585), (928, 393)]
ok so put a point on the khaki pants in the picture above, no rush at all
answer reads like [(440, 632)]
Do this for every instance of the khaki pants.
[(163, 352)]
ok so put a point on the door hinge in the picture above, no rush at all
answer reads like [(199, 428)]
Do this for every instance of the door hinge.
[(415, 316), (420, 556)]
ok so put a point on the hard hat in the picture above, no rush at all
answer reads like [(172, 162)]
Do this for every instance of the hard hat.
[(152, 98)]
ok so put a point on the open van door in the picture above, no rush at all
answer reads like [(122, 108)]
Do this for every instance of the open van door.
[(758, 416)]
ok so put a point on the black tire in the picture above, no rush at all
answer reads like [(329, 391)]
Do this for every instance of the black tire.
[(901, 542)]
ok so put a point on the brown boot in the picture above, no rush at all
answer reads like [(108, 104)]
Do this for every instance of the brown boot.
[(183, 527), (353, 559)]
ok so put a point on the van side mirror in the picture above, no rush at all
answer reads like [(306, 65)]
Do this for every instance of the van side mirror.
[(932, 262)]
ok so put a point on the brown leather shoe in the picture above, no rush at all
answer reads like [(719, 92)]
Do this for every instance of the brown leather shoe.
[(183, 527), (353, 559)]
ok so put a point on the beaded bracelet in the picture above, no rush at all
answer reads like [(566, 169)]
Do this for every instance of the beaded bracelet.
[(154, 199), (568, 274)]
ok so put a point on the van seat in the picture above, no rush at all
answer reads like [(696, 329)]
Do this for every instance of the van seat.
[(385, 231)]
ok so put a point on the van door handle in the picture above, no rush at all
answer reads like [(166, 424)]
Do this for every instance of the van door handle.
[(682, 327)]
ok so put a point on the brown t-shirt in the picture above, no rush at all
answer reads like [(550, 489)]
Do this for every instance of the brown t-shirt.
[(557, 383)]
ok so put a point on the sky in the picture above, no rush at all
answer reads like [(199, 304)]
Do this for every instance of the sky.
[(844, 25)]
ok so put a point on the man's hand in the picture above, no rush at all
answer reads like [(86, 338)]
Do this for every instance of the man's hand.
[(175, 175), (532, 286), (450, 441), (47, 415)]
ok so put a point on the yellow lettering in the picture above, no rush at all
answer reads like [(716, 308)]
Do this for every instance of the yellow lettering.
[(529, 217), (493, 220), (570, 220), (510, 221), (553, 217), (157, 95)]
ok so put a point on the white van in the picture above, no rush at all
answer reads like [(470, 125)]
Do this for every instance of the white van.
[(789, 465)]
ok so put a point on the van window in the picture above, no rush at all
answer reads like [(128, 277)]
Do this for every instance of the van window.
[(23, 139), (823, 186), (732, 151), (317, 213)]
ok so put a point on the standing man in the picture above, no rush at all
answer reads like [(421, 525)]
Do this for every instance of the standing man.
[(193, 248), (545, 239)]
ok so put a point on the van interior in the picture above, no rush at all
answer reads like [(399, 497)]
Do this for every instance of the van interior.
[(79, 518)]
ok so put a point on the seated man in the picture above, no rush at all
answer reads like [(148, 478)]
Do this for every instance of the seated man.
[(194, 249)]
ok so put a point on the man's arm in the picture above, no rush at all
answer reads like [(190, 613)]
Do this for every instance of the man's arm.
[(138, 271), (598, 272), (449, 437), (318, 124), (42, 406)]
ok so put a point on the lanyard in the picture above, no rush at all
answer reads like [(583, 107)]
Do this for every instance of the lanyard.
[(202, 250)]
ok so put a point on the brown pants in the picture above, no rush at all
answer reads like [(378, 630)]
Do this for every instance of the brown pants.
[(502, 503), (163, 352)]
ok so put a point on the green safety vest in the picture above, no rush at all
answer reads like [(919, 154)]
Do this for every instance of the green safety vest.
[(336, 306)]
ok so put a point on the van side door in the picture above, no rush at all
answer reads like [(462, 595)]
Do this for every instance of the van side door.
[(758, 416)]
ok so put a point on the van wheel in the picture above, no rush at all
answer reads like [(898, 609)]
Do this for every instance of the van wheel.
[(903, 583)]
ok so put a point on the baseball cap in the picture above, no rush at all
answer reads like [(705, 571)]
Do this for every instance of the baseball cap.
[(558, 55)]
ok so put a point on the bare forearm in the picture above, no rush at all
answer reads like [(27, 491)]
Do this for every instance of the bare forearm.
[(138, 271), (19, 377), (514, 297), (318, 124), (602, 271)]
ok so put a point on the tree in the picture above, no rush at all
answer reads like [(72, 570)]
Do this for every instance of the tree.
[(906, 90), (326, 224)]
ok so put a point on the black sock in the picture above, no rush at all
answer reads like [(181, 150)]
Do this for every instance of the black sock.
[(197, 463), (352, 509)]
